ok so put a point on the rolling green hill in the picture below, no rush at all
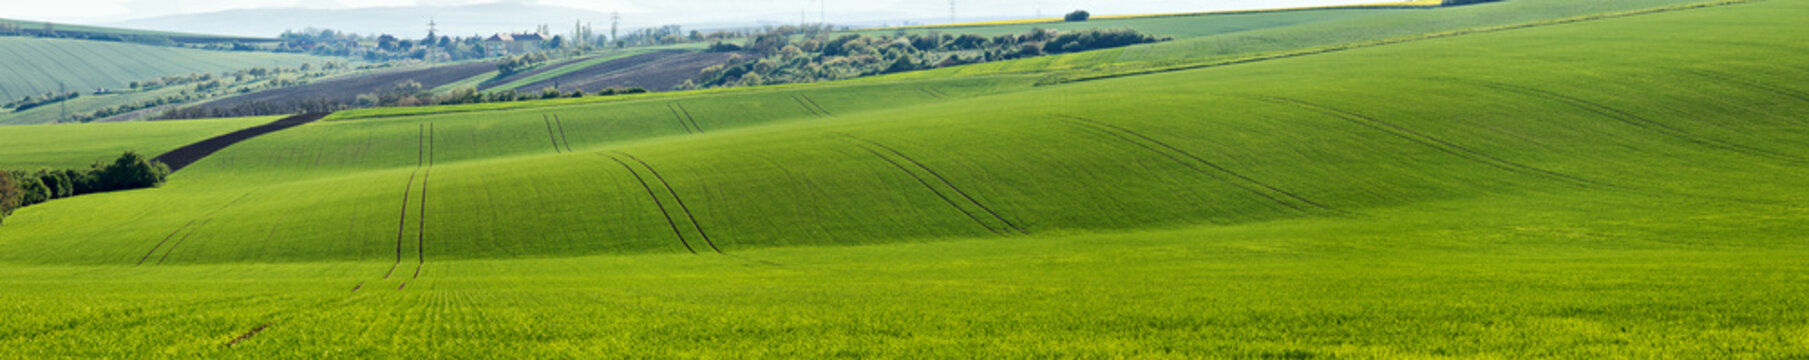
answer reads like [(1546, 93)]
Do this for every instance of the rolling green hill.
[(74, 146), (36, 65), (1620, 187)]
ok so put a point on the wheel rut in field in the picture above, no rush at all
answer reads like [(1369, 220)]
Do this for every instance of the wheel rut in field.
[(880, 150), (191, 227), (656, 202), (421, 222), (813, 111), (1265, 190), (932, 92), (1755, 84), (1631, 119), (550, 137), (408, 189), (187, 155), (813, 103), (688, 117), (680, 200), (1432, 142), (562, 138), (681, 119)]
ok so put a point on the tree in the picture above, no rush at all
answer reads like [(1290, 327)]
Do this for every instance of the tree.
[(10, 196), (1078, 15)]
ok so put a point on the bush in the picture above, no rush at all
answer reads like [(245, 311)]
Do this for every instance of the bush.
[(10, 195), (723, 47), (1078, 15)]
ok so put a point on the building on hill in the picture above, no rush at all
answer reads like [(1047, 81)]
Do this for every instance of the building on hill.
[(514, 43)]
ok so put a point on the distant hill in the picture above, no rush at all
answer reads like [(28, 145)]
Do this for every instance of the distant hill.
[(34, 66), (39, 28), (401, 21)]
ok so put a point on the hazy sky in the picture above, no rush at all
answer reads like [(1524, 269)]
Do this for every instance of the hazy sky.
[(91, 11)]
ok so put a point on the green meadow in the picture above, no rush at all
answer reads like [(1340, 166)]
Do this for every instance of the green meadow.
[(1584, 186)]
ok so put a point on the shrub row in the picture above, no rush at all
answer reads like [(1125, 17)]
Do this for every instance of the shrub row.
[(19, 188)]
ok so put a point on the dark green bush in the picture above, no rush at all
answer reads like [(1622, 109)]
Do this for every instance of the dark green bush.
[(1078, 15)]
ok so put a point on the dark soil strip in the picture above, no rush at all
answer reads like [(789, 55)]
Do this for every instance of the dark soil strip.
[(681, 201), (248, 335), (166, 238), (944, 180), (402, 221), (191, 232), (549, 133), (656, 202), (1634, 120), (681, 118), (421, 230), (1122, 133), (814, 103), (926, 185), (813, 111), (693, 120), (562, 138), (1432, 142), (187, 155)]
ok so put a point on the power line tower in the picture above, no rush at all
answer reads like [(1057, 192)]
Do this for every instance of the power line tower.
[(951, 10), (615, 19)]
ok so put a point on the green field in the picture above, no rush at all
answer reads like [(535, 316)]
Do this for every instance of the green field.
[(74, 146), (1622, 187), (35, 65)]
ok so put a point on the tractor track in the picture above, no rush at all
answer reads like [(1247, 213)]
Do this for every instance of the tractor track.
[(859, 143), (402, 221), (1431, 142), (562, 138), (688, 117), (172, 249), (656, 202), (1730, 78), (421, 232), (932, 93), (813, 111), (943, 180), (166, 238), (247, 335), (549, 134), (1633, 120), (680, 118), (191, 226), (1131, 136), (813, 102), (681, 201)]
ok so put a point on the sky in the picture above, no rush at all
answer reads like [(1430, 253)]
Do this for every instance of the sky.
[(104, 11)]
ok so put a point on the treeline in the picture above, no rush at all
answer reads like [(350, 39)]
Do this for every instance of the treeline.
[(411, 94), (20, 188), (30, 102), (785, 58)]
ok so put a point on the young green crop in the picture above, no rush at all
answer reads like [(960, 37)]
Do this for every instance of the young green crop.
[(1618, 188)]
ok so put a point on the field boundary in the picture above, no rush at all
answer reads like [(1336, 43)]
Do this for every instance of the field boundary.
[(187, 155), (1129, 136)]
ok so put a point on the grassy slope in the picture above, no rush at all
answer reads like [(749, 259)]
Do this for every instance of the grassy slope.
[(34, 65), (1525, 197), (1302, 30), (77, 145), (39, 25)]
